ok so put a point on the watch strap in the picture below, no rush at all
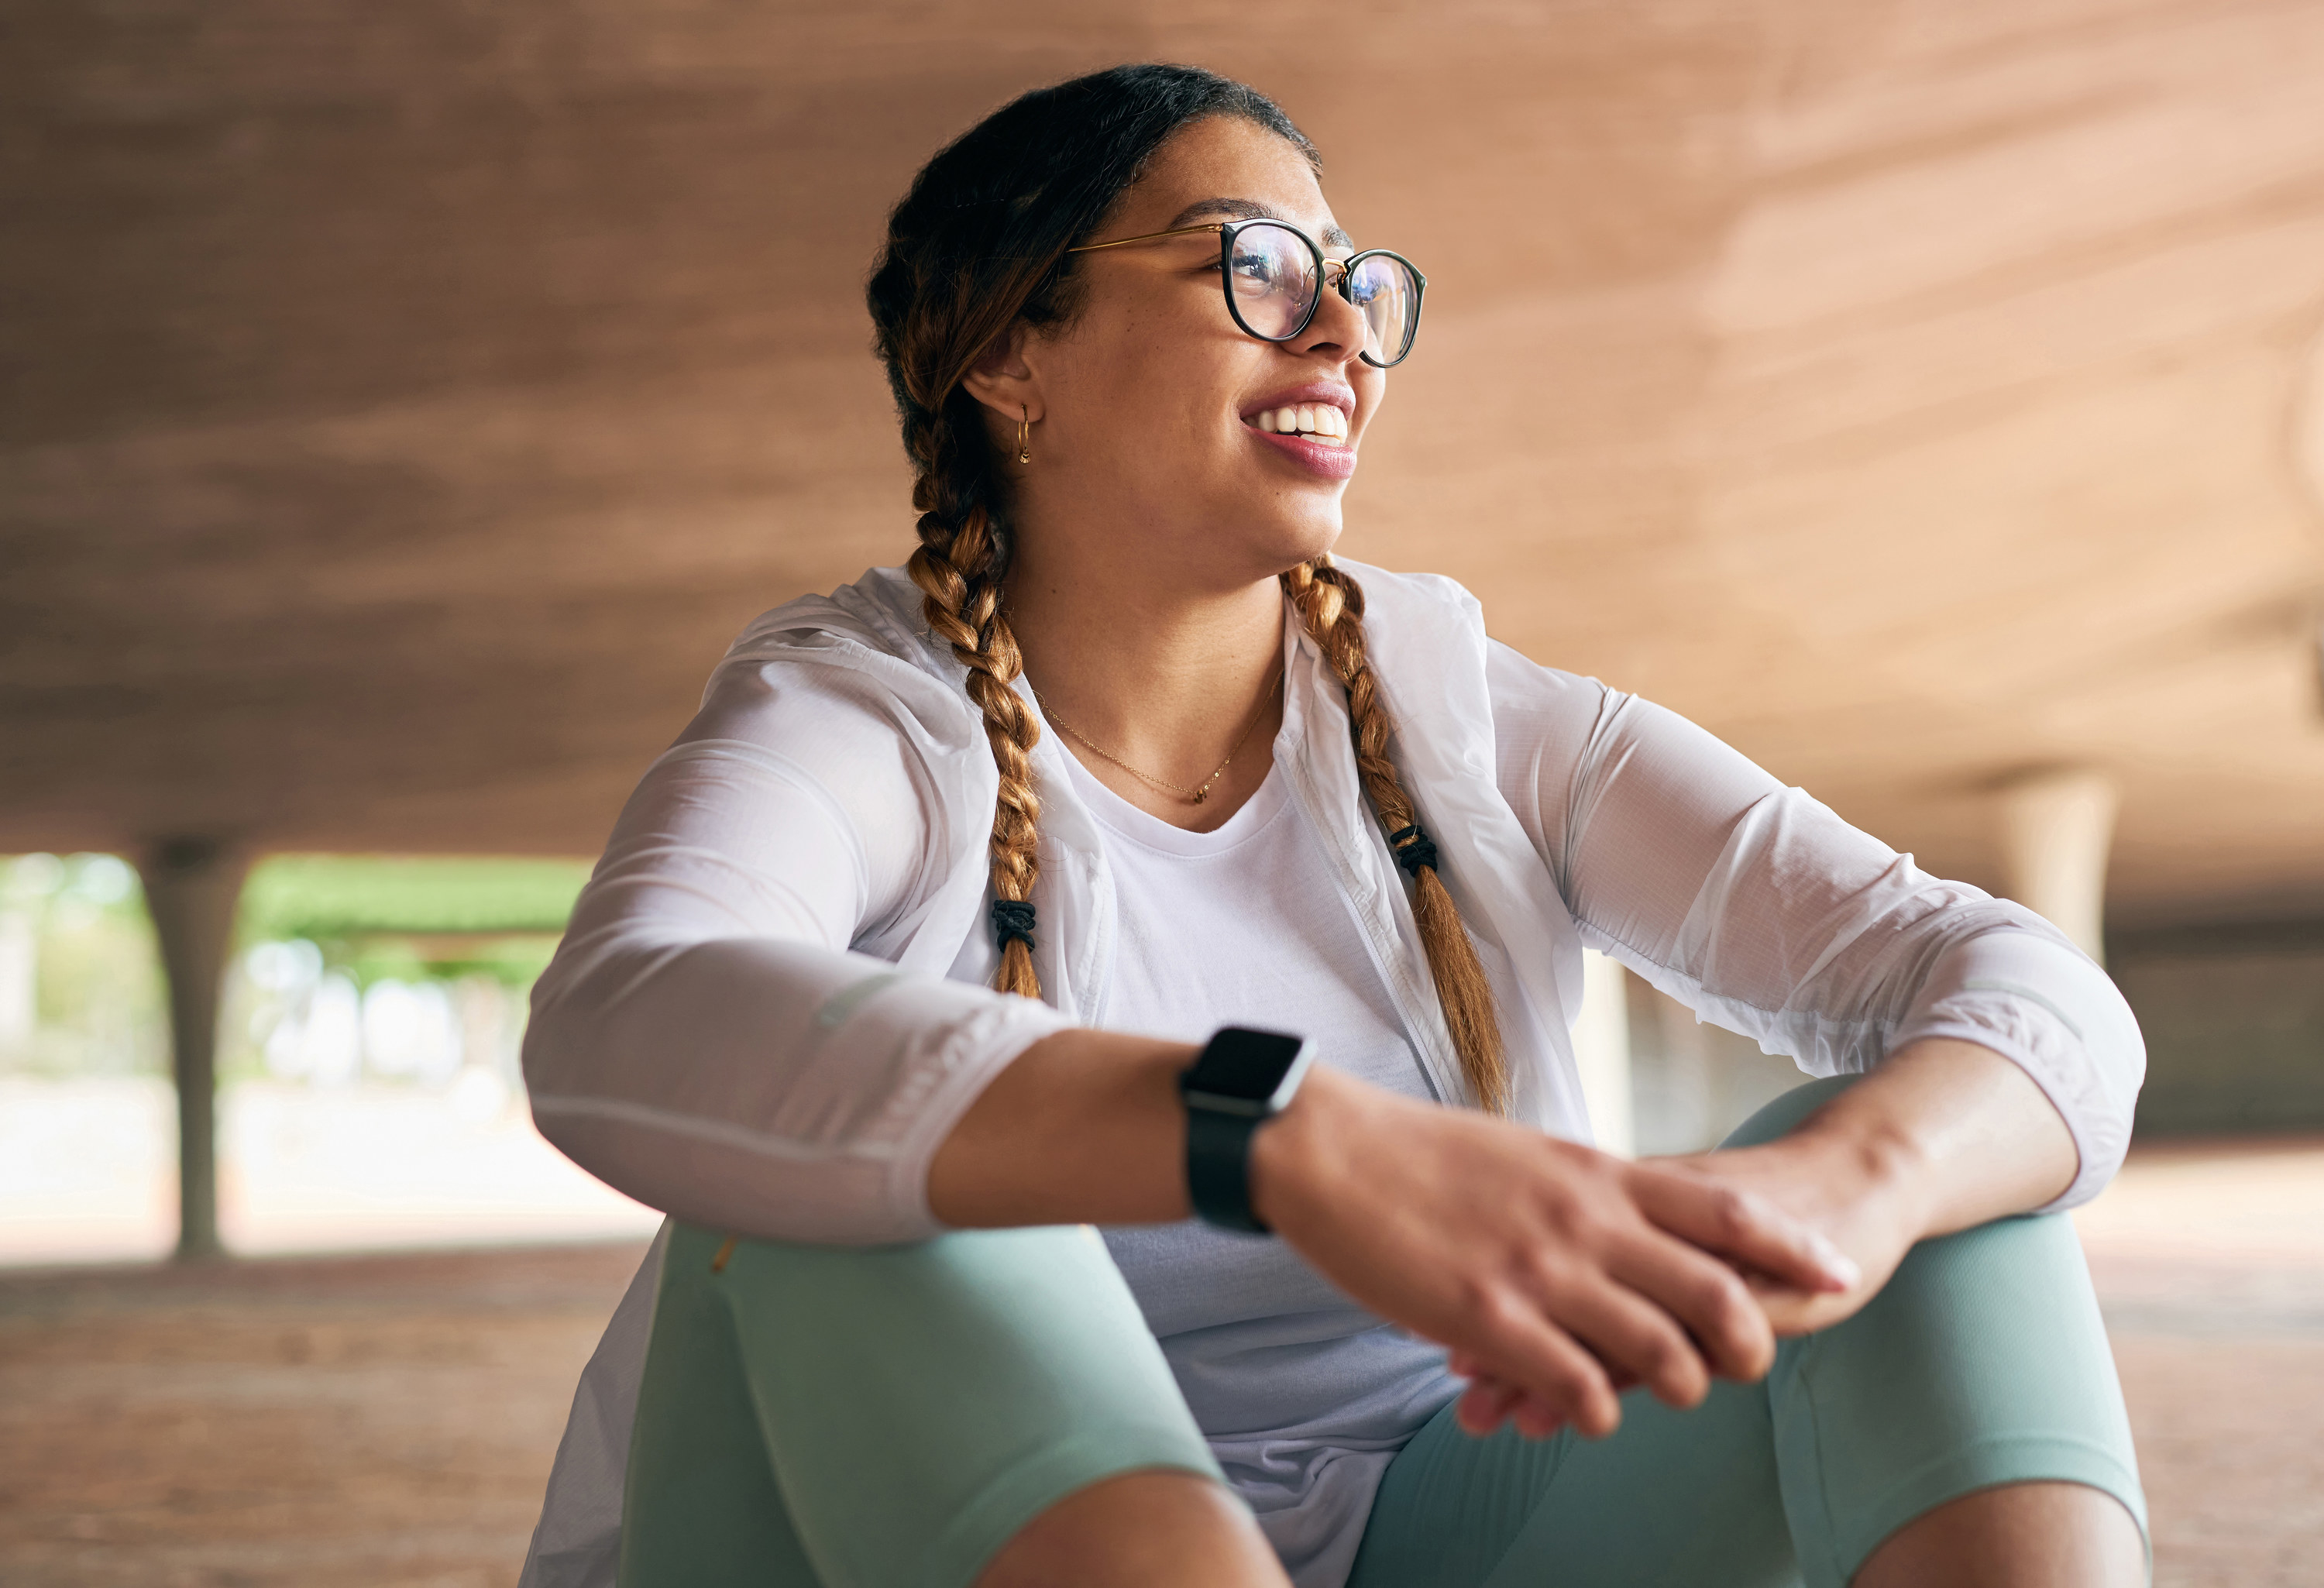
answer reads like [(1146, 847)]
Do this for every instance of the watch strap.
[(1217, 1168)]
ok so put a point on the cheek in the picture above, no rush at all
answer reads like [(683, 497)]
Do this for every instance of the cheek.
[(1160, 386)]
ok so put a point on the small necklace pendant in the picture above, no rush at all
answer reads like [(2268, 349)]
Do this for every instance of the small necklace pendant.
[(1200, 795)]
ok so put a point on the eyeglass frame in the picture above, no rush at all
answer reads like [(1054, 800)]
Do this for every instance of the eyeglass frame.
[(1226, 229)]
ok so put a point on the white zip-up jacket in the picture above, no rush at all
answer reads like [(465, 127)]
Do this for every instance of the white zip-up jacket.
[(773, 1002)]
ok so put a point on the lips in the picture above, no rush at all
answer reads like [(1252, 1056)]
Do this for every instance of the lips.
[(1326, 456)]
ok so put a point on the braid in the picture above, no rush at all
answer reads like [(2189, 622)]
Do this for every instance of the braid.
[(974, 249), (958, 567), (1332, 606)]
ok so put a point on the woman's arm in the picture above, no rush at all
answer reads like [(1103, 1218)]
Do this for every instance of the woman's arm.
[(1764, 912), (1572, 1272), (2001, 1063), (703, 1040), (1944, 1135)]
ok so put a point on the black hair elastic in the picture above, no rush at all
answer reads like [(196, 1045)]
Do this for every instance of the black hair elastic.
[(1420, 852), (1012, 921)]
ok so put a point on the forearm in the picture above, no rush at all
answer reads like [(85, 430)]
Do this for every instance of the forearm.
[(1083, 1127), (774, 1090), (1962, 1134)]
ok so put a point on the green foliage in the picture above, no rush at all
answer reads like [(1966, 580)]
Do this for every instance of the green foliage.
[(512, 961), (323, 897), (81, 989), (76, 925)]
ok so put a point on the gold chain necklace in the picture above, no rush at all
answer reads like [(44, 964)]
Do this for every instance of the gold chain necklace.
[(1192, 795)]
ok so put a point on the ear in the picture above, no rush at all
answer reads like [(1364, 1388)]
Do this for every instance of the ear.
[(1005, 381)]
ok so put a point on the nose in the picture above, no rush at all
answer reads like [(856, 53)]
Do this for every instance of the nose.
[(1337, 322)]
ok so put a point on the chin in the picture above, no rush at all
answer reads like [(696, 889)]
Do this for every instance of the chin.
[(1308, 541), (1261, 547)]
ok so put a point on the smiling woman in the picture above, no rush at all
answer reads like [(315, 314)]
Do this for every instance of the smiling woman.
[(885, 995)]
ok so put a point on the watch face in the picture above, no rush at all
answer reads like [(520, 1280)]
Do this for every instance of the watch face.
[(1242, 1063)]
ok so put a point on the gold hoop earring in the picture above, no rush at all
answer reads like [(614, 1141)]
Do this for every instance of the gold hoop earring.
[(1024, 434)]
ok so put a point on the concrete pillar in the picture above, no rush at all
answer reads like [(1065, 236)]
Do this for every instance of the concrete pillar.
[(192, 888), (1602, 1047), (2057, 829)]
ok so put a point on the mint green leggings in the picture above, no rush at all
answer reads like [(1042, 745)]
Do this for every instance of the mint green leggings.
[(887, 1418)]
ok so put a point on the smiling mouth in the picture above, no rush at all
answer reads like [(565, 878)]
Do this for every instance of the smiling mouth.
[(1316, 421)]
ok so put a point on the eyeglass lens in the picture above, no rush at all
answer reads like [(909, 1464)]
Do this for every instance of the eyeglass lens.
[(1275, 277), (1273, 273), (1384, 289)]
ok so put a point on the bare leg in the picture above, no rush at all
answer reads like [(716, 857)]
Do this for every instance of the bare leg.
[(1150, 1530), (2016, 1536)]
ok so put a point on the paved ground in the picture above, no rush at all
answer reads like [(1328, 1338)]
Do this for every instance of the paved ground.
[(89, 1171), (386, 1421)]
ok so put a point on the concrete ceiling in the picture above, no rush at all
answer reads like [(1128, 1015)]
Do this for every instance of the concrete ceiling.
[(400, 407)]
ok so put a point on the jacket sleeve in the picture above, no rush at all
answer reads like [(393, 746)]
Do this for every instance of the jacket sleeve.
[(1763, 912), (704, 1041)]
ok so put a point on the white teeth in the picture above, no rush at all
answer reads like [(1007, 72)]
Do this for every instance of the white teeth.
[(1319, 418)]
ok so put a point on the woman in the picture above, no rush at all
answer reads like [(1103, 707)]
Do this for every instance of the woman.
[(885, 994)]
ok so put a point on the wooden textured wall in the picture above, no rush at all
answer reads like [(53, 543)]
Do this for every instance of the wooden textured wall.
[(400, 407)]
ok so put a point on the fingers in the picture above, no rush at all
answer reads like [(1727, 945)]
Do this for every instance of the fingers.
[(1740, 1224), (1535, 1418), (1791, 1312), (1603, 1340), (1542, 1359), (1713, 1303), (1485, 1405), (1639, 1341), (1488, 1403)]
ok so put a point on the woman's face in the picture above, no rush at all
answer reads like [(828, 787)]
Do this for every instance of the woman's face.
[(1147, 442)]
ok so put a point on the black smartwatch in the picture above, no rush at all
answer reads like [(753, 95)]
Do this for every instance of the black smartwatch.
[(1244, 1079)]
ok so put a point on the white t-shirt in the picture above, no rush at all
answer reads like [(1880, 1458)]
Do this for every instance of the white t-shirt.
[(1305, 1396)]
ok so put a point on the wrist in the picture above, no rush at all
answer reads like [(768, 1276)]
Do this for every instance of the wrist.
[(1949, 1134), (1872, 1159), (1297, 1147)]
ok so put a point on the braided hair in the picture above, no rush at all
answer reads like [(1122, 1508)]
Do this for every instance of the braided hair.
[(977, 248)]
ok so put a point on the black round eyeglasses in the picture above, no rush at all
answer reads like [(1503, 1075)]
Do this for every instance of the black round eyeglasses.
[(1275, 274)]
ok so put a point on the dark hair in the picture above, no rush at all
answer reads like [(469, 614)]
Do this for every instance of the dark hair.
[(978, 246)]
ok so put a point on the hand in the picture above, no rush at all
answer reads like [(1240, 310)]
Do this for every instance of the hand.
[(1846, 1196), (1563, 1272), (1945, 1135), (1865, 1208)]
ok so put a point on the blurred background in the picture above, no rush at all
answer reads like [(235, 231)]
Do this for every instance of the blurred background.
[(401, 410)]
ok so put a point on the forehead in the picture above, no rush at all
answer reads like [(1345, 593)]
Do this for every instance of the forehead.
[(1221, 168)]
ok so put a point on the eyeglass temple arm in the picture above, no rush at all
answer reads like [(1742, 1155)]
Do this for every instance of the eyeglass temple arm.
[(1340, 286), (1216, 226)]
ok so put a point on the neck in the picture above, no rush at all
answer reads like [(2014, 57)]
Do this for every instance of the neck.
[(1165, 675)]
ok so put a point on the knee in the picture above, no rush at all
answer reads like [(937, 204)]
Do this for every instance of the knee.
[(1154, 1528)]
